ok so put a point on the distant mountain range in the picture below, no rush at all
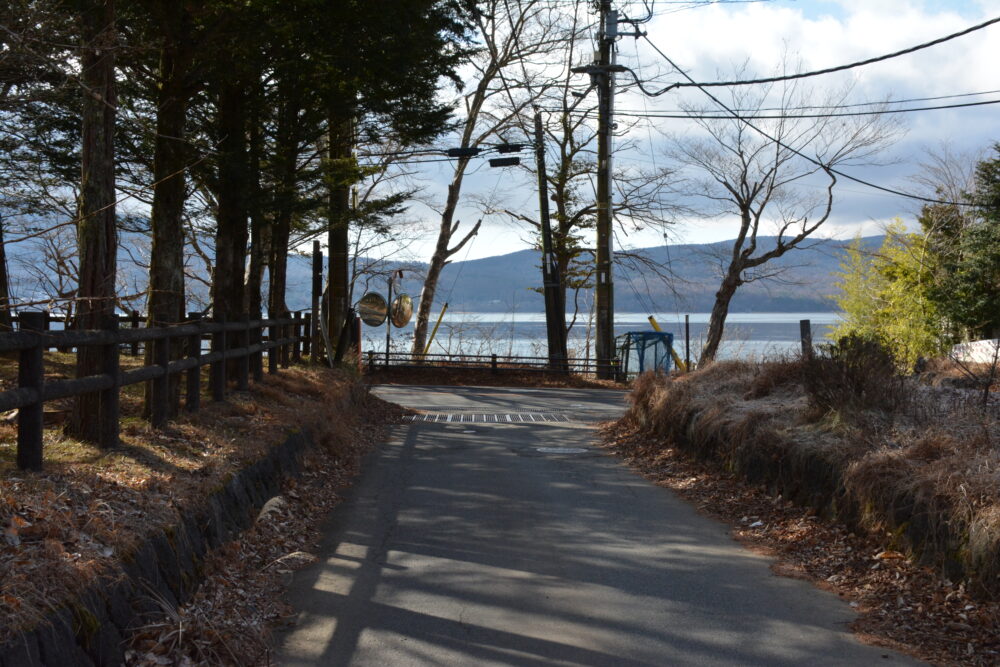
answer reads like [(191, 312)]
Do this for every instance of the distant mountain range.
[(507, 283)]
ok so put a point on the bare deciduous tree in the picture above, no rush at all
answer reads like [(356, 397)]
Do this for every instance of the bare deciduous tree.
[(777, 180), (508, 34)]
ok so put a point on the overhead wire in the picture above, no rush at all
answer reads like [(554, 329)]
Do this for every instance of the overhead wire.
[(874, 112), (695, 4), (808, 107), (853, 105), (656, 168), (795, 151), (802, 75)]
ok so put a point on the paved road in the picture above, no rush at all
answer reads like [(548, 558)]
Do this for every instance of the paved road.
[(503, 544)]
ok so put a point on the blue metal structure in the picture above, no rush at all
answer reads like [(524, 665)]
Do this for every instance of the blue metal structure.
[(641, 351)]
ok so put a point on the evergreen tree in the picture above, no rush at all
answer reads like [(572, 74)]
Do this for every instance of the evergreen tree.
[(967, 245)]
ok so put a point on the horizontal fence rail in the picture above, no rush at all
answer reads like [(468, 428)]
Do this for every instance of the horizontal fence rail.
[(175, 350), (54, 321), (496, 363)]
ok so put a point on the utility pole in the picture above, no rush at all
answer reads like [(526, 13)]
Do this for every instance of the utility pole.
[(555, 309), (604, 297)]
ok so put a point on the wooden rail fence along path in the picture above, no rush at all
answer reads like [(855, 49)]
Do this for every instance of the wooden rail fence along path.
[(242, 341), (494, 362)]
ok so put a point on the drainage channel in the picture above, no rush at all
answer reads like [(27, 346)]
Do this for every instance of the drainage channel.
[(486, 418)]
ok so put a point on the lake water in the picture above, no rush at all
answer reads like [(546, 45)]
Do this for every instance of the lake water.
[(523, 334)]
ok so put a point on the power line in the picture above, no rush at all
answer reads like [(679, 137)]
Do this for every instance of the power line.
[(853, 105), (780, 143), (804, 107), (802, 75), (718, 116), (707, 3)]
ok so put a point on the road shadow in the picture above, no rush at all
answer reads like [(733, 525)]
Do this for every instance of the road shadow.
[(465, 545)]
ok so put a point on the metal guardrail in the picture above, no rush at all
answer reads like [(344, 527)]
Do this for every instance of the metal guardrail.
[(495, 363), (175, 350)]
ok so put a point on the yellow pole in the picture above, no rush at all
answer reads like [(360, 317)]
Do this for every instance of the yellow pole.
[(677, 358), (430, 340)]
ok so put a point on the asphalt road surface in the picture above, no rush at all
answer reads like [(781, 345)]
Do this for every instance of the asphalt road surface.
[(521, 543)]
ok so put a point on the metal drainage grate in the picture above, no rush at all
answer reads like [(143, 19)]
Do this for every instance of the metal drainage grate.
[(486, 418)]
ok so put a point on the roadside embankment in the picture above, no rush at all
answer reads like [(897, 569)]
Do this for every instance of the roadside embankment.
[(853, 440), (104, 543)]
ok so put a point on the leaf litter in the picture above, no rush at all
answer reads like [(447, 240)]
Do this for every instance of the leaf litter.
[(64, 527), (901, 605)]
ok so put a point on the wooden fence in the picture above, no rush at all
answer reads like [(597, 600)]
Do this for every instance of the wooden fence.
[(243, 341), (495, 363)]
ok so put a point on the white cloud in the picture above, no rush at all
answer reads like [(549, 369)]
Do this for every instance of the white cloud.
[(709, 41)]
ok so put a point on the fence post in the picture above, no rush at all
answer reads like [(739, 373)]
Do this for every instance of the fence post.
[(67, 325), (273, 333), (159, 409), (493, 363), (217, 371), (687, 343), (286, 349), (371, 361), (805, 333), (135, 325), (256, 337), (31, 375), (297, 338), (110, 399), (243, 342), (307, 335), (357, 342), (192, 393), (315, 345)]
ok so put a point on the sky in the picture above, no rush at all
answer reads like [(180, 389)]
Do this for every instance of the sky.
[(710, 41)]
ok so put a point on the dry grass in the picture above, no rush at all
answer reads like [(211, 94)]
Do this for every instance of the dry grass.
[(901, 605), (948, 372), (877, 451), (70, 523), (228, 621), (775, 376)]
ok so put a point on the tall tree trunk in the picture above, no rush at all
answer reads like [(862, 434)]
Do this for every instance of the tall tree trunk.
[(560, 246), (287, 151), (338, 242), (231, 232), (440, 257), (170, 154), (166, 302), (97, 243), (259, 236), (258, 262), (717, 321)]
